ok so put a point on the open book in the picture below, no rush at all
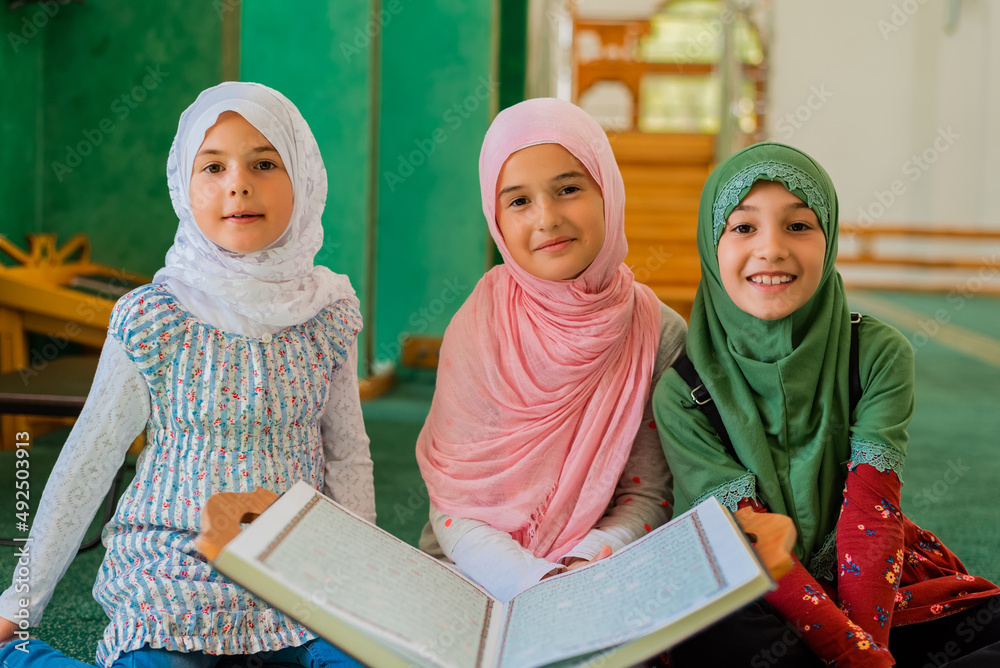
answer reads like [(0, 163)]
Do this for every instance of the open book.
[(389, 604)]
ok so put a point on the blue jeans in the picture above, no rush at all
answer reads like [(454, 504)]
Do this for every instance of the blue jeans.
[(314, 654)]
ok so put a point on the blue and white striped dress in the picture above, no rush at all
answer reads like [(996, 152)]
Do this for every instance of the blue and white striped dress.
[(228, 413)]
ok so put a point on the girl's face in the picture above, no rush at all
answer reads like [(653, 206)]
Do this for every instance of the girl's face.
[(771, 252), (241, 194), (550, 212)]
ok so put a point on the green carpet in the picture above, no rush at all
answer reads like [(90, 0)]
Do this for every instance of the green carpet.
[(953, 457), (951, 472)]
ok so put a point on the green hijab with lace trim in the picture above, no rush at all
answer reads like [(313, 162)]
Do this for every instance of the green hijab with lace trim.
[(794, 371)]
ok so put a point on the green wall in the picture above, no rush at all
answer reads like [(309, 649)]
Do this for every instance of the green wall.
[(438, 90), (21, 59), (512, 51), (436, 93), (311, 57), (116, 77), (90, 105), (512, 57)]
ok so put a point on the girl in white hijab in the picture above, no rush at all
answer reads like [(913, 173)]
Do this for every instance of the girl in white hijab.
[(239, 363)]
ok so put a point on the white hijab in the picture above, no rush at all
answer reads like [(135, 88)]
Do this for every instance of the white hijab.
[(269, 290)]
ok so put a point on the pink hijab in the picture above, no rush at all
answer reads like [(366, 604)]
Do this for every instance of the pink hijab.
[(542, 384)]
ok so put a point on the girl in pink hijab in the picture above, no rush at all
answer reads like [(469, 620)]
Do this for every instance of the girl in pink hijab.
[(540, 452)]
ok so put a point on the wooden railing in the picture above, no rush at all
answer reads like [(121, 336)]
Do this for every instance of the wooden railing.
[(932, 260)]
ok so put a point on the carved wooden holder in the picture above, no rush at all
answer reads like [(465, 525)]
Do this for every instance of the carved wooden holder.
[(773, 536), (224, 512)]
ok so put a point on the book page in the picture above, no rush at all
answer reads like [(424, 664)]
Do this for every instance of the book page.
[(647, 585), (340, 562)]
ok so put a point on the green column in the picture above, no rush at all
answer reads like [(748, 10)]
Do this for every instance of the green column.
[(438, 93)]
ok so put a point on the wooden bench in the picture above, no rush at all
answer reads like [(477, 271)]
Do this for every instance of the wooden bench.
[(58, 293)]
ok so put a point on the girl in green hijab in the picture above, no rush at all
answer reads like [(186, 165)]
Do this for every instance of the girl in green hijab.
[(770, 337)]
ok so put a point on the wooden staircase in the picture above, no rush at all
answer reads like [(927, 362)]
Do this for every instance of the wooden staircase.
[(664, 175)]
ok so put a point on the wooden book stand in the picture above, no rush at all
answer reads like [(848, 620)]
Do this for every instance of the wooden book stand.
[(224, 512)]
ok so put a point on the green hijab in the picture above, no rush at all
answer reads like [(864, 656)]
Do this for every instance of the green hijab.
[(793, 370)]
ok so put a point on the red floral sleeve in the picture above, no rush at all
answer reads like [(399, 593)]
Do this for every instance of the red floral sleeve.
[(825, 629), (870, 549)]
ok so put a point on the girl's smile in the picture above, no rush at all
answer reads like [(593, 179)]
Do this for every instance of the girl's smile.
[(771, 252), (554, 245), (550, 212), (768, 280)]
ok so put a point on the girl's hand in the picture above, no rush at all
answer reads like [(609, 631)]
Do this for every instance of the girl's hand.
[(579, 563), (7, 629)]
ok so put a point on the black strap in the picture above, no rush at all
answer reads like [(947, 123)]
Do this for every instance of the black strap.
[(854, 374), (703, 400)]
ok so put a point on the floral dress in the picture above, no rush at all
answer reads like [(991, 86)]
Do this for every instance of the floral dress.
[(227, 413)]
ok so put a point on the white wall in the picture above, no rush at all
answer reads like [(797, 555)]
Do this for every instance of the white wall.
[(903, 114)]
